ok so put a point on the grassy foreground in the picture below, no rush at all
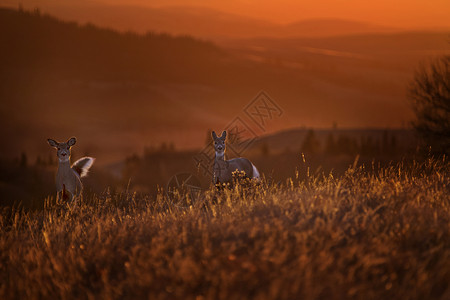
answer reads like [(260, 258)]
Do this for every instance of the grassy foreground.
[(366, 235)]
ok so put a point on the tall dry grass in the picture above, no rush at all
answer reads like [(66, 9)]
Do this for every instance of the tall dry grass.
[(366, 235)]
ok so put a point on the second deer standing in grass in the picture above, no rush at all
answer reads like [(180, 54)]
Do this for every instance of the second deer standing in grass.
[(223, 169)]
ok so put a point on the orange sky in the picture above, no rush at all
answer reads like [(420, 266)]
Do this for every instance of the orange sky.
[(397, 13), (401, 13)]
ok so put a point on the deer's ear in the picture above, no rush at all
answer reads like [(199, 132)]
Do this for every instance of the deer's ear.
[(72, 141), (224, 135), (52, 143), (214, 135)]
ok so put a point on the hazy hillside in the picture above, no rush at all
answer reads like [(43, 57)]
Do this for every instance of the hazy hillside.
[(58, 76), (85, 52), (191, 20), (60, 79)]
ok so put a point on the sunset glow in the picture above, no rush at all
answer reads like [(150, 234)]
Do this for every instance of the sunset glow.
[(397, 13), (401, 13)]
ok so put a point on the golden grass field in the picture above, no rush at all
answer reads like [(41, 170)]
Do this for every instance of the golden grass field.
[(368, 234)]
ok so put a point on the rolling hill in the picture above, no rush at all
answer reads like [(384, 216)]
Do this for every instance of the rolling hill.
[(120, 92), (191, 20)]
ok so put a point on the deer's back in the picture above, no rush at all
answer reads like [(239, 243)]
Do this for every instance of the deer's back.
[(223, 169), (241, 164)]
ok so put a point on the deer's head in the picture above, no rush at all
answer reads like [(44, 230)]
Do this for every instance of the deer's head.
[(219, 143), (63, 149)]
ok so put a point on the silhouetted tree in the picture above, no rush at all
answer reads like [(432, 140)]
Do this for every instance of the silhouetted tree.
[(149, 151), (369, 146), (163, 148), (385, 145), (50, 160), (311, 144), (393, 144), (23, 162), (429, 92), (346, 145), (39, 161), (132, 163), (330, 144)]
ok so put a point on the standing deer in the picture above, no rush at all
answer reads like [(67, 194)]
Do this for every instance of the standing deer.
[(223, 169), (68, 178)]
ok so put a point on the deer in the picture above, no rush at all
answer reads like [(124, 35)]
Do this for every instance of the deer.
[(223, 169), (68, 178)]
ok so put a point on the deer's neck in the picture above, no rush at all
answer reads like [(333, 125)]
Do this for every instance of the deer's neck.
[(220, 157), (220, 167), (64, 165)]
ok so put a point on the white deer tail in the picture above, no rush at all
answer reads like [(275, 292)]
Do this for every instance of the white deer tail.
[(83, 165), (255, 172)]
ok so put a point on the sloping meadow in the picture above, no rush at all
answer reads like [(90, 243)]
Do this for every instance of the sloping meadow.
[(369, 234)]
